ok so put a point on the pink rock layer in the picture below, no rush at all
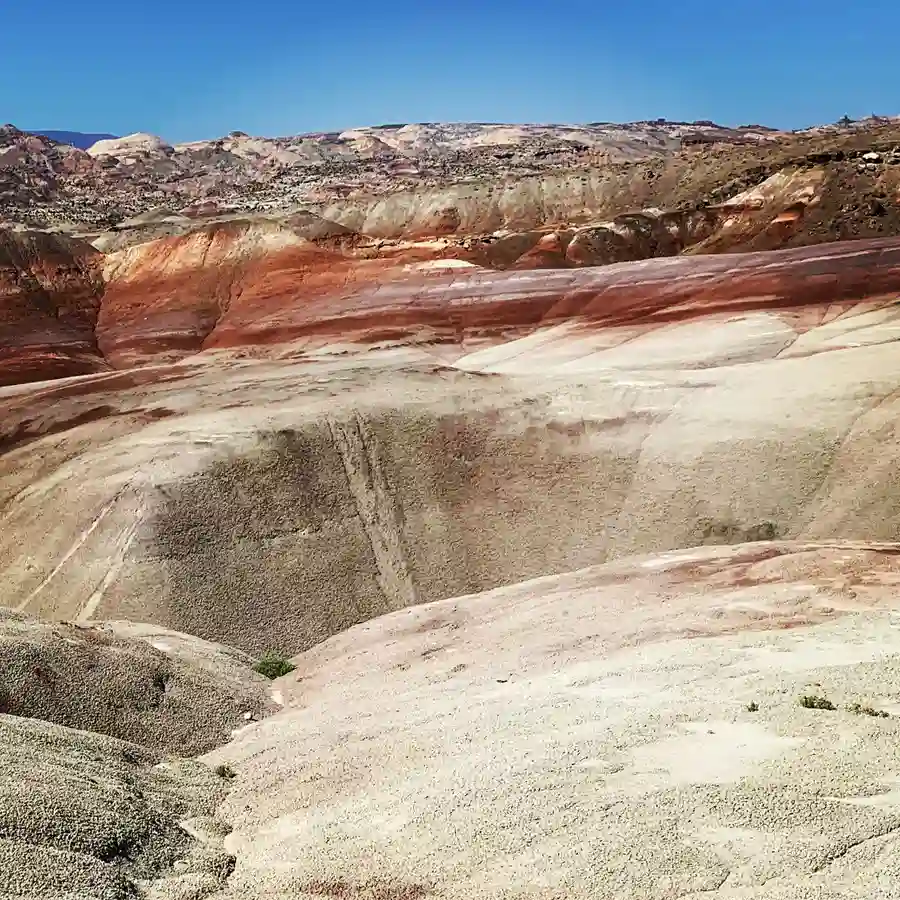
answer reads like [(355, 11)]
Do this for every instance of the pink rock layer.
[(304, 294), (50, 291), (225, 287)]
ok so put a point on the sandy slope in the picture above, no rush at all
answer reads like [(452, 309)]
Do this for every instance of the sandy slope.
[(587, 736), (169, 692), (86, 817)]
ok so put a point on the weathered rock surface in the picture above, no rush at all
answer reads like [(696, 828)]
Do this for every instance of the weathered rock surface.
[(328, 383), (50, 290), (169, 692), (131, 146), (590, 736), (450, 177), (85, 817), (258, 284)]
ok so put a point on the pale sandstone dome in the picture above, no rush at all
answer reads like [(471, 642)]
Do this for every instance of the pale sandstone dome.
[(588, 736), (140, 142)]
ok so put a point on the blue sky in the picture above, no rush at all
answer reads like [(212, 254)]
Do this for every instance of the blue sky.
[(190, 69)]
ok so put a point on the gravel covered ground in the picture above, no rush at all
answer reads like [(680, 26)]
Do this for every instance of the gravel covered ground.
[(85, 817), (169, 692), (631, 732)]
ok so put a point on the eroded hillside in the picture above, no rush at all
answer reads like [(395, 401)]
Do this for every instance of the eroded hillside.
[(388, 454), (563, 480)]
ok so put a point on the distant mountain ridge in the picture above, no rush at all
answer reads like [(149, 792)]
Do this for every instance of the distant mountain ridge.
[(80, 139), (43, 181), (448, 178)]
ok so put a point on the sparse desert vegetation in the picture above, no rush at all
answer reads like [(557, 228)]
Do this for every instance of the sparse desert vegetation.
[(273, 665), (860, 709), (815, 701)]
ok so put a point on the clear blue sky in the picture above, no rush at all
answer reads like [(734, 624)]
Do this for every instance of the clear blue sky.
[(189, 69)]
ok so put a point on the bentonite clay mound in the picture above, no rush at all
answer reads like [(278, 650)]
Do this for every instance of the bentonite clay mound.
[(268, 504), (86, 817), (169, 692), (630, 730)]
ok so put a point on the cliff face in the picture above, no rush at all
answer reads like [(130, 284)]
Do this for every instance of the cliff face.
[(50, 292)]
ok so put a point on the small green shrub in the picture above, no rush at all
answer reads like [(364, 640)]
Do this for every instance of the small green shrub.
[(224, 771), (274, 665), (752, 706), (812, 701), (861, 710)]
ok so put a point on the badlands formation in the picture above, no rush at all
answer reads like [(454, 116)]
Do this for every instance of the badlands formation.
[(560, 460)]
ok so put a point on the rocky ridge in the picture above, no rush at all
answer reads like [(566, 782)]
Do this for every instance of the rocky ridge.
[(46, 183)]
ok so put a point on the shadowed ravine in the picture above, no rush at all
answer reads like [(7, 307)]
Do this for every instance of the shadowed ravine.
[(344, 506)]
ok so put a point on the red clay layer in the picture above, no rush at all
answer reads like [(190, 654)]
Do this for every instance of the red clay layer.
[(465, 302), (235, 298)]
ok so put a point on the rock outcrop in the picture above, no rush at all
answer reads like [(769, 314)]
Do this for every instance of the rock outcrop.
[(44, 182), (50, 290), (131, 146), (555, 174)]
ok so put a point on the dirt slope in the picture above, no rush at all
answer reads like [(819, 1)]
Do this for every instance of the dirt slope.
[(168, 692), (589, 736), (85, 817)]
